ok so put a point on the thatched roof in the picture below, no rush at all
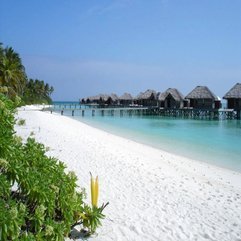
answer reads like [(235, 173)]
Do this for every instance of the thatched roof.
[(126, 96), (139, 96), (98, 97), (93, 98), (177, 95), (147, 94), (235, 92), (114, 96), (104, 97), (201, 92)]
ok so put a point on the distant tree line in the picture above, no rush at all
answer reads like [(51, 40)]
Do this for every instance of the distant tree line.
[(14, 81)]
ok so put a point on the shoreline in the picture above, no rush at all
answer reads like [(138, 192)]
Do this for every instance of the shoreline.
[(139, 141), (153, 194), (224, 158)]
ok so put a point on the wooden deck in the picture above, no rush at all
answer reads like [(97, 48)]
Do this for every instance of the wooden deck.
[(212, 114)]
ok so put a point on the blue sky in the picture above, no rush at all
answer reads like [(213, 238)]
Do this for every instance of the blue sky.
[(86, 47)]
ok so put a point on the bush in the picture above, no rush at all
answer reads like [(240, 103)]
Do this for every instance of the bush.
[(38, 198), (21, 122)]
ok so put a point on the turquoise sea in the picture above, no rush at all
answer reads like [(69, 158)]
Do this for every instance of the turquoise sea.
[(215, 142)]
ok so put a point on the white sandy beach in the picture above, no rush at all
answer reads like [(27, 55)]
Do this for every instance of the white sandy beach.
[(153, 195)]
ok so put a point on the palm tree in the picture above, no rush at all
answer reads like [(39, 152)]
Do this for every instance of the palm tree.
[(51, 90), (1, 50), (1, 59), (12, 72), (13, 79), (48, 90), (37, 91)]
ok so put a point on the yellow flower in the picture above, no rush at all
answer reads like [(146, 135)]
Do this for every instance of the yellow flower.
[(94, 187)]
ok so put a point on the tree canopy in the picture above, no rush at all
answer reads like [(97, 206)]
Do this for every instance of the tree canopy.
[(14, 81)]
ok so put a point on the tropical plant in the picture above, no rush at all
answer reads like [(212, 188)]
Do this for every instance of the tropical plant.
[(36, 91), (12, 71), (14, 81), (38, 198), (21, 122)]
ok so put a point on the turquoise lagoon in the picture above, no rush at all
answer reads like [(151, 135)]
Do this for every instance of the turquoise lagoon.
[(215, 142)]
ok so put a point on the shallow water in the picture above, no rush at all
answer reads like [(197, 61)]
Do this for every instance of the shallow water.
[(215, 142)]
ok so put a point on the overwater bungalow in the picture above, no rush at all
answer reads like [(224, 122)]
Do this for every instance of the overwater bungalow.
[(82, 101), (91, 100), (96, 99), (148, 98), (103, 99), (233, 97), (137, 98), (203, 98), (126, 99), (112, 99), (172, 98)]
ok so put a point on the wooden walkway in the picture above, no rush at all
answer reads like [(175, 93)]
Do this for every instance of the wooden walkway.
[(221, 114)]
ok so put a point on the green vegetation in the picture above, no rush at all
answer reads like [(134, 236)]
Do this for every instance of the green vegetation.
[(14, 81), (21, 122), (38, 198), (37, 92)]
